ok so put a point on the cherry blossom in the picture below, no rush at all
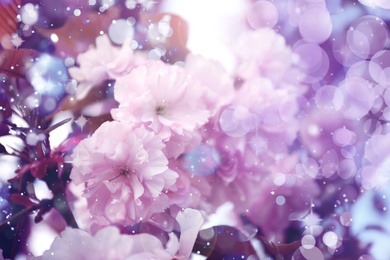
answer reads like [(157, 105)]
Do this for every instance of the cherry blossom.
[(161, 97), (109, 243), (165, 99), (218, 85), (124, 172), (263, 53), (284, 139), (102, 62), (283, 193)]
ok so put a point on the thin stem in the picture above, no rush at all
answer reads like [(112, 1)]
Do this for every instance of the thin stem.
[(51, 128), (21, 213), (62, 206)]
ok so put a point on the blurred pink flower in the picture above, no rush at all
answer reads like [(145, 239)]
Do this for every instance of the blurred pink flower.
[(80, 210), (218, 85), (262, 122), (102, 62), (180, 144), (219, 171), (125, 173), (282, 193), (161, 97), (275, 109), (235, 181), (190, 190), (190, 222), (263, 53), (109, 244)]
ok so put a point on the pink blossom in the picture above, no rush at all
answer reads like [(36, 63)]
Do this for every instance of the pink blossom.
[(263, 53), (79, 206), (235, 181), (161, 97), (180, 144), (220, 172), (218, 85), (282, 193), (124, 172), (102, 62), (190, 190), (190, 222), (275, 108), (236, 153), (261, 123), (109, 244)]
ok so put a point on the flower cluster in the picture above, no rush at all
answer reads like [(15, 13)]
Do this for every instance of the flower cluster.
[(126, 141), (108, 243), (172, 145)]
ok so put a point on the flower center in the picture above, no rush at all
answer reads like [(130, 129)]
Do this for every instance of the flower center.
[(160, 110), (122, 171)]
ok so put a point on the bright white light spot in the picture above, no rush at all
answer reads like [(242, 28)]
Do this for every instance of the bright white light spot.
[(54, 37), (313, 130), (77, 12), (280, 179), (29, 14), (120, 30), (308, 241), (154, 54), (164, 27), (330, 239), (131, 4), (32, 101)]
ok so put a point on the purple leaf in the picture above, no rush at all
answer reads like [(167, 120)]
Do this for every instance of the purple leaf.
[(38, 169), (14, 63), (20, 200)]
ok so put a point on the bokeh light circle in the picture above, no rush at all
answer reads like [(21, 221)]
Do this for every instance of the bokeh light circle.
[(262, 14), (367, 35), (120, 30), (236, 121), (318, 31), (379, 67), (330, 239), (308, 241), (358, 97), (329, 98)]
